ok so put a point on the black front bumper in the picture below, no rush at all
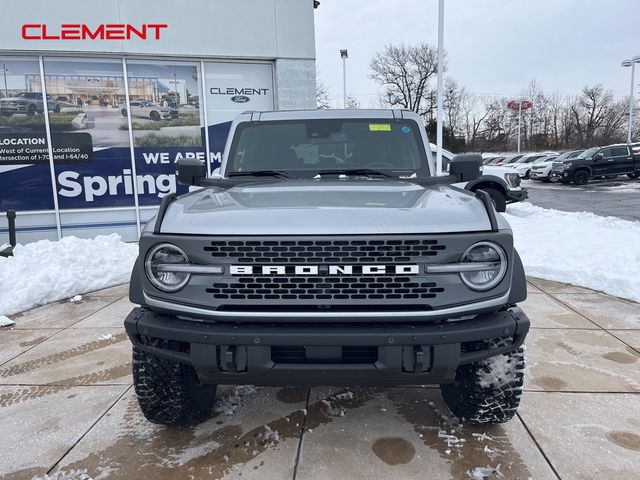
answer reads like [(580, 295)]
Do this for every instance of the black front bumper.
[(325, 354), (513, 196)]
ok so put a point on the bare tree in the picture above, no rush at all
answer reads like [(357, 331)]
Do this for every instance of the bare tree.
[(322, 95), (404, 72), (474, 113), (589, 112), (452, 106), (352, 103)]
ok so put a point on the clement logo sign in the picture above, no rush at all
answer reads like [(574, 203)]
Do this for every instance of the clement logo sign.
[(81, 31), (239, 95)]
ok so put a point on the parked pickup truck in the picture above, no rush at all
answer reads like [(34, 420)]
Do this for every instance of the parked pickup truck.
[(612, 160), (27, 103), (501, 182), (328, 253)]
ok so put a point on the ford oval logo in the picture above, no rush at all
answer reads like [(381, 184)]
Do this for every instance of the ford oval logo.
[(240, 99)]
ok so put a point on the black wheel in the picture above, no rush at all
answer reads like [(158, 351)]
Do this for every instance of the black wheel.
[(56, 109), (31, 110), (581, 177), (155, 116), (633, 175), (527, 175), (497, 198), (488, 391), (123, 112), (169, 392)]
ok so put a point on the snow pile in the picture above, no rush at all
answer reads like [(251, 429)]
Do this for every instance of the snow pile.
[(484, 473), (45, 271), (5, 321), (602, 253), (231, 401)]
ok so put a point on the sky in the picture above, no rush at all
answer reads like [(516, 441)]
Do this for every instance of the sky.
[(493, 46)]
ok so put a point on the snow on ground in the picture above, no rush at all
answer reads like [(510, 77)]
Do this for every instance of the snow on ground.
[(45, 271), (5, 321), (581, 248)]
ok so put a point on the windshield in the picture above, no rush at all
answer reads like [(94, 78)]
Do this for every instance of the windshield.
[(306, 147), (563, 156), (588, 153)]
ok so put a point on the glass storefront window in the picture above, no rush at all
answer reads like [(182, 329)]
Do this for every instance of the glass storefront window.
[(25, 172), (90, 136), (98, 161)]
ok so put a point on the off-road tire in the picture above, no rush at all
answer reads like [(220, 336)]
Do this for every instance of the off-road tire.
[(169, 392), (497, 198), (581, 177), (478, 401)]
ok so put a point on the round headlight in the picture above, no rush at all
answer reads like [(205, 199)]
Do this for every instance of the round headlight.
[(161, 256), (491, 262)]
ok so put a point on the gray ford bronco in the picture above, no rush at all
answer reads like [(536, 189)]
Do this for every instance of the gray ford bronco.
[(327, 253)]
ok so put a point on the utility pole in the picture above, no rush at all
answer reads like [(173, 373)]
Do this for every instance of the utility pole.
[(440, 77), (4, 73), (519, 122), (632, 64)]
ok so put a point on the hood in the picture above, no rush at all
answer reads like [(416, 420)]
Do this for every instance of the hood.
[(497, 170), (318, 207)]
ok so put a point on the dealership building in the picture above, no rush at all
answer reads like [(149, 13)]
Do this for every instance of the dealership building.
[(97, 104)]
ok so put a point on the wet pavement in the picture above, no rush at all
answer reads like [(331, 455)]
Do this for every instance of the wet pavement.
[(618, 197), (68, 410)]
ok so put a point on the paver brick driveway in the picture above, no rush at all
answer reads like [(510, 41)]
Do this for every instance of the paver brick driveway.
[(68, 409)]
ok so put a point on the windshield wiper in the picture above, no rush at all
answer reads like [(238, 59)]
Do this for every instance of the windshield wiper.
[(260, 173), (362, 172)]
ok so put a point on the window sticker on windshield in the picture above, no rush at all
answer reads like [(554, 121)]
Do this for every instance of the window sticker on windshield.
[(380, 127), (405, 129)]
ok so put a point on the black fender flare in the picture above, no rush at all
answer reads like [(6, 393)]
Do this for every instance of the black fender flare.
[(490, 181), (135, 284), (518, 281)]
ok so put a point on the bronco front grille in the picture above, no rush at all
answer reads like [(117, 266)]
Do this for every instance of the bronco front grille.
[(285, 289), (323, 251), (324, 288)]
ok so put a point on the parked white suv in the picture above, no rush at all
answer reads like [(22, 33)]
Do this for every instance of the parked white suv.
[(524, 164), (502, 183)]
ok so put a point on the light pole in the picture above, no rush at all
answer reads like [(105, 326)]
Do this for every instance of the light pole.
[(439, 87), (4, 73), (632, 64), (519, 122), (344, 54)]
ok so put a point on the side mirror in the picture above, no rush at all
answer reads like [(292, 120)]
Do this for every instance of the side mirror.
[(466, 166), (190, 171), (598, 156)]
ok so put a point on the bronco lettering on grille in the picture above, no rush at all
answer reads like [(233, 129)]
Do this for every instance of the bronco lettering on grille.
[(325, 270)]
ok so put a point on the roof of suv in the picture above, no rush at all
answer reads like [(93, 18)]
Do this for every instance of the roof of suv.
[(330, 113)]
